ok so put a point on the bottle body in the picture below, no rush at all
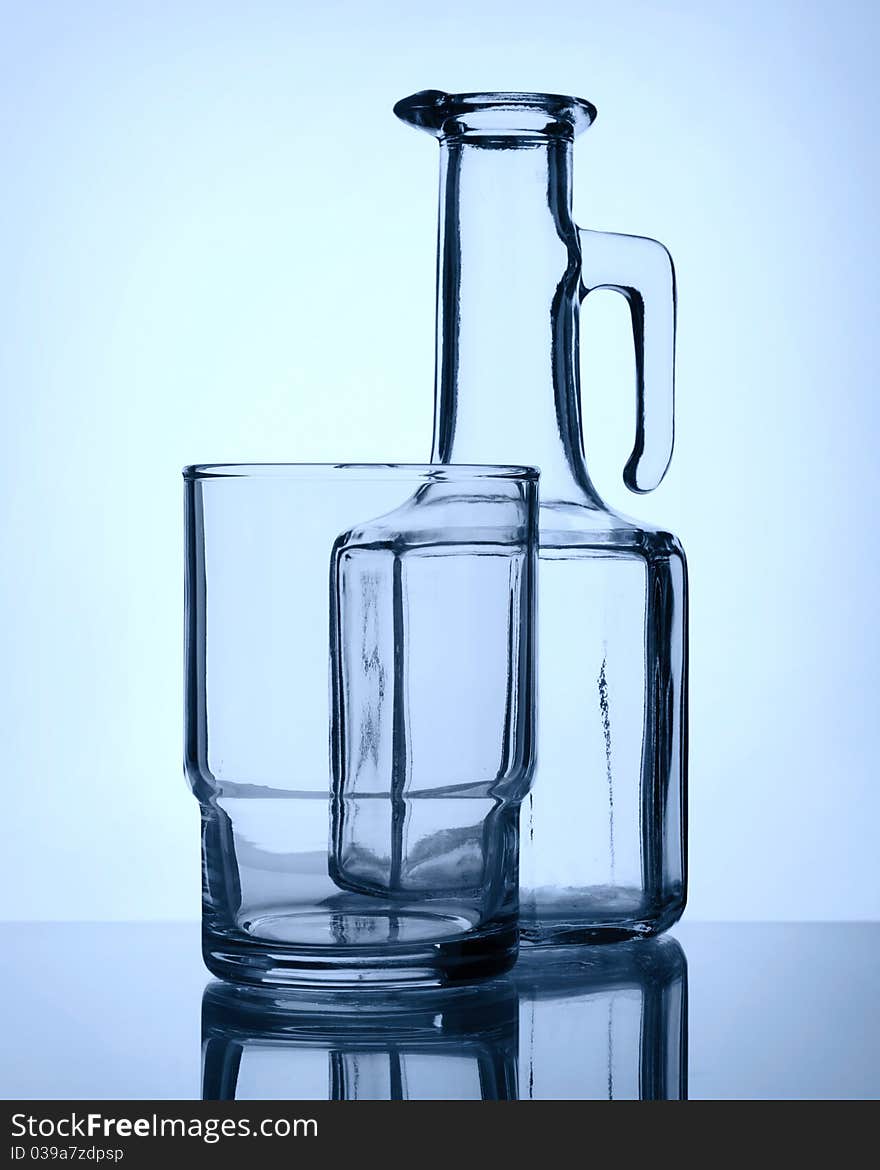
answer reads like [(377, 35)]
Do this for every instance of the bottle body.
[(602, 855), (432, 620)]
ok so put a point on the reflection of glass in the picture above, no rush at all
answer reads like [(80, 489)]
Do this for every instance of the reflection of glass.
[(453, 1044), (402, 652), (568, 1023), (603, 1022)]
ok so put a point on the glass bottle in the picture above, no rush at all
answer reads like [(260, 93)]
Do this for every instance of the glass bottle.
[(603, 832)]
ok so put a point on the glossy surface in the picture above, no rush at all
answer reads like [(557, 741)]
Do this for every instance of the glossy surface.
[(114, 1010)]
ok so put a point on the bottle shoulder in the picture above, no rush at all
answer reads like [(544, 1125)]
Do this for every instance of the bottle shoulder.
[(572, 525), (439, 515)]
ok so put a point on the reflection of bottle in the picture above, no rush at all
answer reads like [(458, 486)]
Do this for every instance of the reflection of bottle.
[(456, 1044), (432, 693), (603, 1022), (602, 853)]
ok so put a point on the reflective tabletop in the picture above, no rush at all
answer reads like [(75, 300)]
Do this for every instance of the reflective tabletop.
[(126, 1010)]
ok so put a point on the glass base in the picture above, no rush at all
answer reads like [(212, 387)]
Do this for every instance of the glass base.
[(585, 919), (286, 953)]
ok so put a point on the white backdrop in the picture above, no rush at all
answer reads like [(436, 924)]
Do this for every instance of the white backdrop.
[(218, 244)]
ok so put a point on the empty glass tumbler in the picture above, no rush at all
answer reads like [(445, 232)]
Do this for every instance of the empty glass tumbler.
[(359, 716)]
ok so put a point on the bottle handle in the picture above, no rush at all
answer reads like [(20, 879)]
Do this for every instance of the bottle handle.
[(641, 270)]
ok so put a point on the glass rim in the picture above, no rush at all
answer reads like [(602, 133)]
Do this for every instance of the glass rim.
[(425, 472)]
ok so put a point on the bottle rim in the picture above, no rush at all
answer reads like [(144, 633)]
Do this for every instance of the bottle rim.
[(500, 113)]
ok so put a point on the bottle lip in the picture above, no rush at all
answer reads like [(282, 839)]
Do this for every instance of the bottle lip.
[(496, 114)]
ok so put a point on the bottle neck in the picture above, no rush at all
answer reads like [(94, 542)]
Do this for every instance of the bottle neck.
[(507, 310)]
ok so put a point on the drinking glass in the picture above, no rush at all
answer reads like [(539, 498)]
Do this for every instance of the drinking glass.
[(359, 716)]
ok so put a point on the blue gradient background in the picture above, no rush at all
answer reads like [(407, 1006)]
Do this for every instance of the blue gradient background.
[(216, 243)]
